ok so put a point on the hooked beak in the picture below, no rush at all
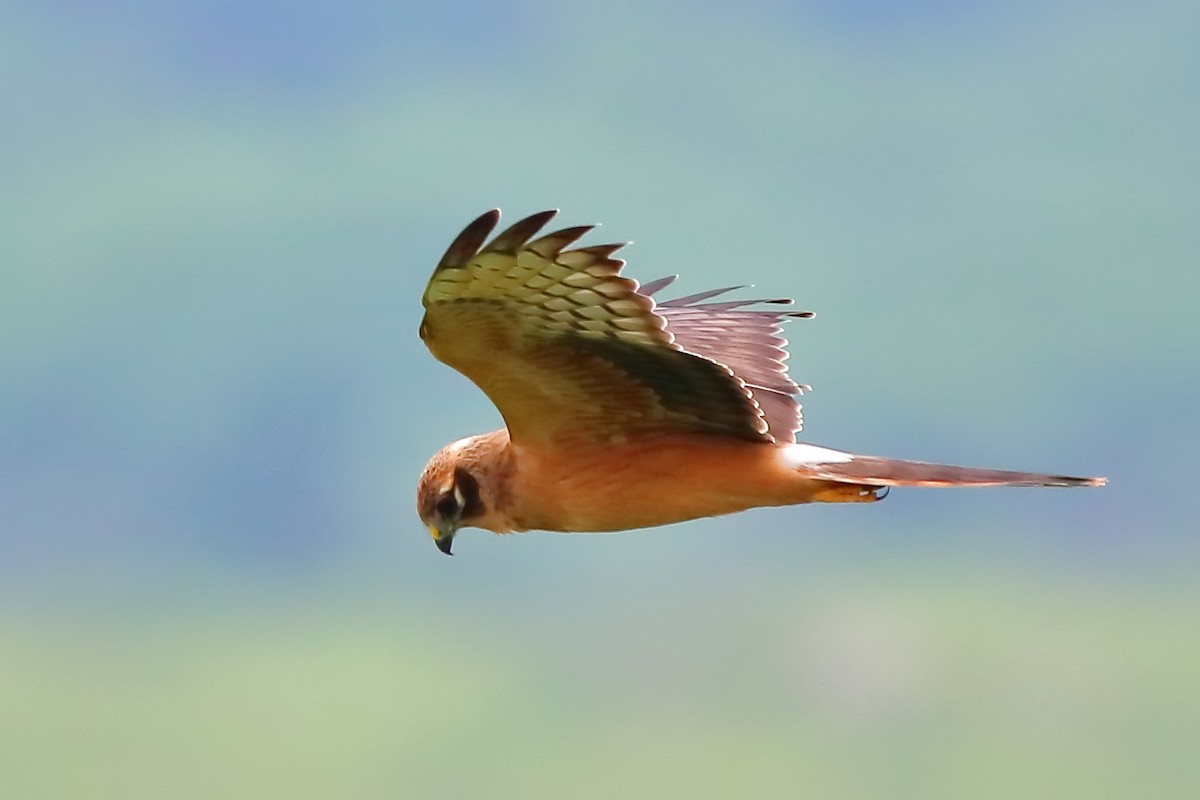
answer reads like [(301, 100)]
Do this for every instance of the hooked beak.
[(443, 538)]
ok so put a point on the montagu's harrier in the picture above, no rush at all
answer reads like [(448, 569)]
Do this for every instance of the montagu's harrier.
[(622, 412)]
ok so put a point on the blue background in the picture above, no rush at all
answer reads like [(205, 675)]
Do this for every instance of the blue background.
[(216, 220)]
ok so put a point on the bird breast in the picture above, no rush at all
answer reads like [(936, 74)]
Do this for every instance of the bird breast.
[(646, 481)]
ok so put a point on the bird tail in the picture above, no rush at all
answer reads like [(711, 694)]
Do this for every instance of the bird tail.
[(834, 465)]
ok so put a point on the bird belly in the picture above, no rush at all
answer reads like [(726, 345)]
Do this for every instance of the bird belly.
[(651, 481)]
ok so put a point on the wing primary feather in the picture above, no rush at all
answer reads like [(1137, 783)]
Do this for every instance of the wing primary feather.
[(593, 258), (601, 250), (656, 285), (739, 307), (520, 232), (550, 245), (731, 305), (467, 244), (691, 299)]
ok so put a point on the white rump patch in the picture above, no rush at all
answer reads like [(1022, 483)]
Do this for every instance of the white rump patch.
[(799, 455)]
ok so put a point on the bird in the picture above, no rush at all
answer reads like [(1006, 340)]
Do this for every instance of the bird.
[(623, 412)]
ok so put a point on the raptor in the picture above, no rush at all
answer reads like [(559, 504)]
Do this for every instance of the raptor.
[(623, 412)]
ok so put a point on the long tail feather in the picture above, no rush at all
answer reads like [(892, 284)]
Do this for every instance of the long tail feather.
[(834, 465)]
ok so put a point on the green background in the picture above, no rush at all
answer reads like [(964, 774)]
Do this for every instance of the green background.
[(216, 219)]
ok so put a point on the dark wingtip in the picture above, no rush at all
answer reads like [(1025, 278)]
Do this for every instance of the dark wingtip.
[(467, 243), (521, 231), (552, 244)]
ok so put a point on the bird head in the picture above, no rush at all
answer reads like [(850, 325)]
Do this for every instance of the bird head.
[(449, 496)]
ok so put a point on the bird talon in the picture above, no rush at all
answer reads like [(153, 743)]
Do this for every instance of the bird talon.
[(847, 493)]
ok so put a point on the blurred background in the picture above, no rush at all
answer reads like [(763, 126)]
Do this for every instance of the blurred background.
[(216, 220)]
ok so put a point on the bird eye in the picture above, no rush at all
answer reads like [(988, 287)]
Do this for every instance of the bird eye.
[(449, 505), (461, 499)]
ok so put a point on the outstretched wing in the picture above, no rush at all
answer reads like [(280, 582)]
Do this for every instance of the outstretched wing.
[(567, 348)]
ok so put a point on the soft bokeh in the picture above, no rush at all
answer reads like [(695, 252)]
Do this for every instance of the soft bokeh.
[(216, 219)]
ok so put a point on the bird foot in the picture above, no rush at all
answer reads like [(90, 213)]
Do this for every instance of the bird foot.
[(849, 493)]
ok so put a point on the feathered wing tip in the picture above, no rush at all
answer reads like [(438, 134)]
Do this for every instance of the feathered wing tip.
[(467, 243), (472, 241), (512, 238), (697, 300), (657, 285)]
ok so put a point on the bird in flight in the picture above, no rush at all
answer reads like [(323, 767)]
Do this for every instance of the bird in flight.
[(620, 411)]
